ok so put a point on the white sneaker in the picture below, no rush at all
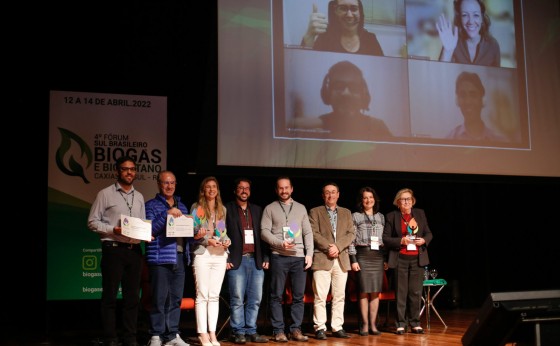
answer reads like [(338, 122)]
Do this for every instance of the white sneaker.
[(176, 342), (154, 341)]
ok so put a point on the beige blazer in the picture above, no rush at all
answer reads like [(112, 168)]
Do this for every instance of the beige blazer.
[(323, 236)]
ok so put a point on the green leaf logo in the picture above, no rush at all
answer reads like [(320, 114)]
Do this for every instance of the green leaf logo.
[(70, 166)]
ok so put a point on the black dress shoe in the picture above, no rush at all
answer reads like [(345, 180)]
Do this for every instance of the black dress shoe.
[(257, 338), (320, 335), (375, 332), (238, 339), (340, 334), (417, 330), (363, 333)]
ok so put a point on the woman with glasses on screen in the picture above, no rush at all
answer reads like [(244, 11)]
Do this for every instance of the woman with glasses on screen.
[(344, 31), (468, 40), (406, 235)]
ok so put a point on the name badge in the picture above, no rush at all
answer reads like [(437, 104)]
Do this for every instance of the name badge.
[(411, 246), (374, 243), (249, 237)]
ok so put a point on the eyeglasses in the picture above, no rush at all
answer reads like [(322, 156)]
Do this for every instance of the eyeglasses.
[(130, 169), (408, 199), (346, 8), (340, 86), (241, 188), (170, 183)]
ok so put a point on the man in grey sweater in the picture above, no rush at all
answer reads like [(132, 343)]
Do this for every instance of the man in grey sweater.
[(285, 227)]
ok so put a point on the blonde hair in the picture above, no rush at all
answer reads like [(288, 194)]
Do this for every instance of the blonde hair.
[(219, 206), (399, 194)]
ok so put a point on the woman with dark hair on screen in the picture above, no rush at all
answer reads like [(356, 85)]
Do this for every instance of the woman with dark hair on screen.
[(468, 40), (344, 31)]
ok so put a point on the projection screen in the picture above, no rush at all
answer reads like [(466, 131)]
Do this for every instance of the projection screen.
[(275, 92)]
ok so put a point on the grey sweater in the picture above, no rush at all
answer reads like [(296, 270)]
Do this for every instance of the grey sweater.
[(278, 215)]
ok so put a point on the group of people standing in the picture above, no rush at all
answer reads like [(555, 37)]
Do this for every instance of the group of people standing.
[(240, 240)]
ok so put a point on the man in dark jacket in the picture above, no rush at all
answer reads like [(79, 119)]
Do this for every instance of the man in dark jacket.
[(247, 259)]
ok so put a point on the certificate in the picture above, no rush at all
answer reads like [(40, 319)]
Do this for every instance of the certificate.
[(181, 226), (136, 228)]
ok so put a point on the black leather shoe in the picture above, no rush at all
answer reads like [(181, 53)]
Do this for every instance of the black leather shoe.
[(257, 338), (363, 333), (320, 335), (375, 332), (238, 339), (417, 330), (340, 334)]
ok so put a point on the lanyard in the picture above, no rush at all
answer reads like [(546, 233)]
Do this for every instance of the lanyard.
[(411, 217), (371, 223), (291, 205), (126, 200), (247, 216), (409, 229)]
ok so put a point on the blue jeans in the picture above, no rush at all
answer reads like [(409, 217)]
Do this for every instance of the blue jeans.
[(167, 283), (280, 267), (245, 292)]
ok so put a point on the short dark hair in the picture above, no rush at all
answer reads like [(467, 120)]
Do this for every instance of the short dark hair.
[(345, 68), (470, 77), (239, 180), (122, 160), (329, 183), (282, 177)]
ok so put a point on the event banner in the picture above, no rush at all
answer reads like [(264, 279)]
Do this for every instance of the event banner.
[(87, 133)]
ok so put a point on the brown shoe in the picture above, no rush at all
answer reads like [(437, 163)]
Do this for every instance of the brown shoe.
[(280, 337), (296, 335)]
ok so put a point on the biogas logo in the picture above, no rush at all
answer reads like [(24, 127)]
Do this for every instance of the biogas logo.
[(65, 159), (75, 158)]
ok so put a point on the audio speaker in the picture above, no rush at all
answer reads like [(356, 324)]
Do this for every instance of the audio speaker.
[(523, 318)]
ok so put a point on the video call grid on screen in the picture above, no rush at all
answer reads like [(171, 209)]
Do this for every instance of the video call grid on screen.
[(410, 90)]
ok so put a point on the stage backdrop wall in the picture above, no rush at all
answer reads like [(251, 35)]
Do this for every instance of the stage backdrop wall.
[(87, 133)]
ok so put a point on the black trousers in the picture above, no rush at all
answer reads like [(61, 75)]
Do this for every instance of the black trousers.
[(409, 286), (120, 266)]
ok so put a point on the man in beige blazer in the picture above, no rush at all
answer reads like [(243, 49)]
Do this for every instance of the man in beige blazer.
[(333, 231)]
